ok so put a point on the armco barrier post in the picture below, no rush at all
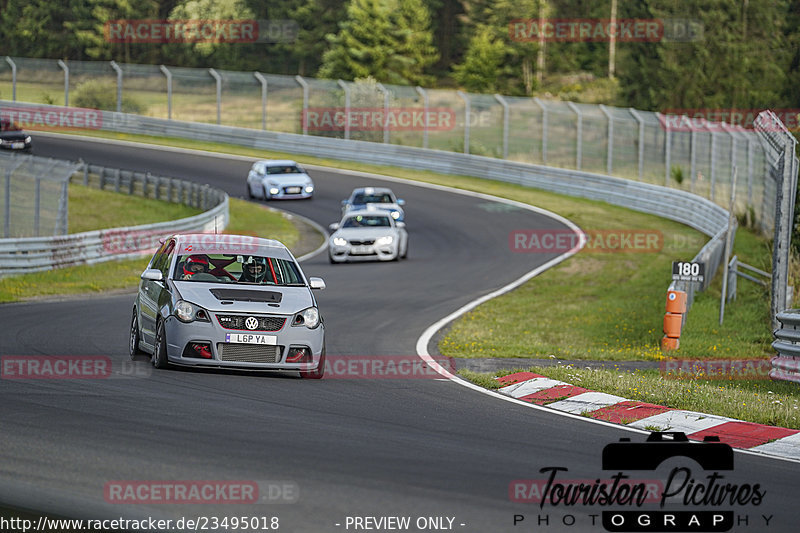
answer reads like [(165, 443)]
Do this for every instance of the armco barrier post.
[(673, 319)]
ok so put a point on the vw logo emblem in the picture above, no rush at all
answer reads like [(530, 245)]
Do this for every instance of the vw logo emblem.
[(251, 322)]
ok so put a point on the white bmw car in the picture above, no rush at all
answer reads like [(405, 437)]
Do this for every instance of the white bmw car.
[(370, 234), (378, 197), (278, 180)]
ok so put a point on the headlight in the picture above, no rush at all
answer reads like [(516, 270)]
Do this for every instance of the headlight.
[(188, 312), (28, 139), (307, 317), (380, 241), (274, 190), (338, 241), (395, 214), (309, 189)]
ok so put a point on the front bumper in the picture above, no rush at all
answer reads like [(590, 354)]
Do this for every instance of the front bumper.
[(370, 252), (290, 192), (16, 145), (241, 355)]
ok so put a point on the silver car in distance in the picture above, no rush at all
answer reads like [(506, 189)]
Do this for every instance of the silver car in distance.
[(228, 301), (278, 180), (367, 234)]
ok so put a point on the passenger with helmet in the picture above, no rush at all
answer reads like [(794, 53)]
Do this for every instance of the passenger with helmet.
[(195, 264), (254, 270)]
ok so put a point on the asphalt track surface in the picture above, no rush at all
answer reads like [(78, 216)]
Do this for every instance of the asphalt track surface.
[(416, 448)]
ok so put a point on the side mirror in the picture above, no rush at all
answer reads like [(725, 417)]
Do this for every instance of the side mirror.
[(334, 226), (400, 224), (316, 283), (152, 274), (400, 201)]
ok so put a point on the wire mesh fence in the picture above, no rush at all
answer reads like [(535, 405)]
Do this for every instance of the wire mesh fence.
[(692, 155), (33, 195)]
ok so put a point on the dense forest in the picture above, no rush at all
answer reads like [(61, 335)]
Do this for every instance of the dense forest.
[(739, 54)]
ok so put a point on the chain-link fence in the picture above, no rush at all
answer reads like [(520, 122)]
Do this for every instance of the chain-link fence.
[(695, 156), (33, 195)]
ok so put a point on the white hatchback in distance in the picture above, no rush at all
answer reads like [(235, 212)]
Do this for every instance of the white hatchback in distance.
[(278, 180)]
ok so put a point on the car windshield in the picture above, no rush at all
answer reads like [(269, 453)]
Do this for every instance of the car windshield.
[(284, 169), (367, 221), (238, 269), (7, 125), (363, 198)]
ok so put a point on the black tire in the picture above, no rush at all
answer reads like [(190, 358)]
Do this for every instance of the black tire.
[(249, 192), (133, 341), (266, 194), (330, 258), (320, 370), (159, 358), (405, 252)]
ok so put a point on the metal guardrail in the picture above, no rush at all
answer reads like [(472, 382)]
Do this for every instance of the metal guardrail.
[(34, 254), (786, 365)]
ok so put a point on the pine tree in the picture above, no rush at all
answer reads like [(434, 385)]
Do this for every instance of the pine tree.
[(389, 40)]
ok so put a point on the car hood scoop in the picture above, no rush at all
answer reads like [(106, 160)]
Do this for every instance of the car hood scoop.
[(247, 295)]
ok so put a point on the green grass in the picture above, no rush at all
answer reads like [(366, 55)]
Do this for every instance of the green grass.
[(92, 209), (245, 218), (760, 401)]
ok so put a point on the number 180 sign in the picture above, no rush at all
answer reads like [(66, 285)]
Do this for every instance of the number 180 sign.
[(688, 271)]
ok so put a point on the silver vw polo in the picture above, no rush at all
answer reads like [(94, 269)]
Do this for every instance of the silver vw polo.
[(228, 301)]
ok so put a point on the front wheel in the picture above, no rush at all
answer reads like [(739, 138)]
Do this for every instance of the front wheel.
[(266, 194), (320, 370), (159, 358), (250, 191), (133, 344)]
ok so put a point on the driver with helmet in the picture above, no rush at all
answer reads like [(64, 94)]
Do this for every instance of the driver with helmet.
[(195, 264), (254, 270)]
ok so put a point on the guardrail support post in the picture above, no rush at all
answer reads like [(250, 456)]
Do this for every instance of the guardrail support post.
[(610, 143), (667, 150), (713, 165), (65, 68), (36, 201), (544, 129), (117, 175), (218, 80), (693, 156), (118, 70), (346, 90), (299, 79), (13, 78), (263, 82), (505, 123), (385, 92), (422, 92), (640, 120), (467, 111), (168, 75), (578, 135), (63, 209)]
